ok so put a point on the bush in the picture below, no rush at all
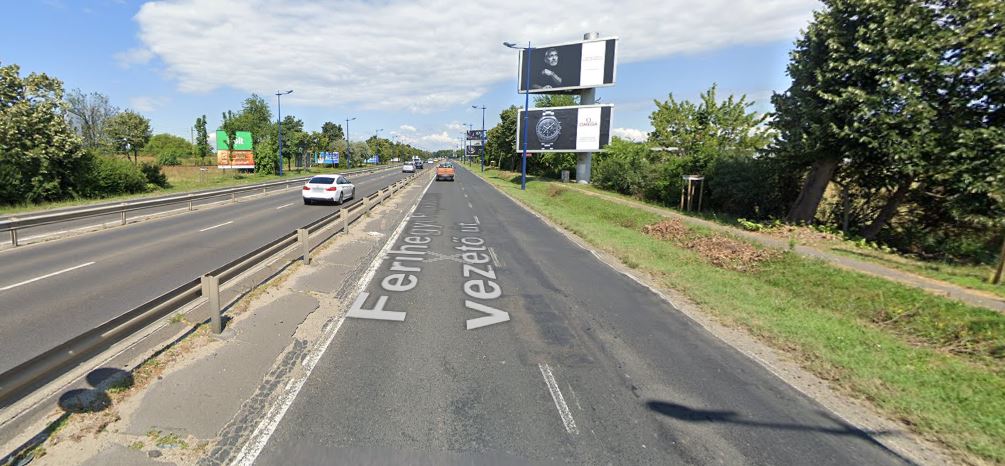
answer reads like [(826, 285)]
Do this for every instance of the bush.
[(750, 187), (109, 176), (168, 159), (168, 148), (154, 175)]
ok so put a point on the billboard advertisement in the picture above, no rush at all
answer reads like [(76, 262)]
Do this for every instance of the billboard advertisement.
[(473, 150), (584, 128), (326, 158), (373, 160), (475, 135), (240, 157), (570, 66)]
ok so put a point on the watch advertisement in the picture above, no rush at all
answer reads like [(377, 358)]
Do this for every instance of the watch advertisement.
[(473, 150), (567, 67), (584, 128), (475, 134)]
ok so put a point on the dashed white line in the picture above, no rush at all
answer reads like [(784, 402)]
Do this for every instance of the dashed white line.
[(216, 226), (465, 195), (556, 396), (284, 205), (495, 258), (470, 206), (43, 277), (477, 222)]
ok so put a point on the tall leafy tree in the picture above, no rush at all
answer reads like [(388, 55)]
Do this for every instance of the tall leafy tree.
[(40, 156), (202, 148), (168, 148), (88, 114), (708, 129), (129, 131), (500, 140)]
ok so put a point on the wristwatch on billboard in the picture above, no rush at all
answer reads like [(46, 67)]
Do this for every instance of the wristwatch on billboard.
[(548, 128)]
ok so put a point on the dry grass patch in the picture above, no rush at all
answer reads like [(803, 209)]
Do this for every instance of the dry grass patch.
[(720, 251)]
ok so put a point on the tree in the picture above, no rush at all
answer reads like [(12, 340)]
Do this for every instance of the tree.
[(202, 148), (168, 148), (555, 100), (293, 137), (500, 140), (230, 126), (709, 129), (88, 114), (129, 131), (332, 132), (41, 158)]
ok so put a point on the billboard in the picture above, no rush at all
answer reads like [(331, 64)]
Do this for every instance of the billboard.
[(475, 134), (326, 158), (569, 66), (473, 150), (584, 128), (373, 160), (241, 157)]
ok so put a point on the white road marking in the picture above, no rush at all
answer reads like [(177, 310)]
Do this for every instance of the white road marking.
[(495, 258), (284, 205), (465, 195), (556, 395), (216, 226), (43, 277), (477, 222), (263, 432), (470, 206)]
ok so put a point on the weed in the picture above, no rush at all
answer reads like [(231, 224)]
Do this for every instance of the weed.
[(137, 445)]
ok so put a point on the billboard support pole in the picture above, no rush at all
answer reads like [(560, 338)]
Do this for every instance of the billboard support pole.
[(584, 161), (526, 122)]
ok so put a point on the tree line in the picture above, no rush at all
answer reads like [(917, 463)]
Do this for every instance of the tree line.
[(892, 130)]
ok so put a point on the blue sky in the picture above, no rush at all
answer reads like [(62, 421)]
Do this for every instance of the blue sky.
[(405, 67)]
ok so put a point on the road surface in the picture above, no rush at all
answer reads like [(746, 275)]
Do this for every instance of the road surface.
[(51, 292), (487, 337)]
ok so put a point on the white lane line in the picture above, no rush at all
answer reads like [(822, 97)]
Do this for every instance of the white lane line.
[(477, 222), (284, 205), (216, 226), (43, 277), (556, 395), (470, 206), (495, 258), (465, 195), (263, 432)]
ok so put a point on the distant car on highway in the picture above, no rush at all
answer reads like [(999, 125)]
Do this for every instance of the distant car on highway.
[(328, 188), (445, 171), (408, 167), (417, 162)]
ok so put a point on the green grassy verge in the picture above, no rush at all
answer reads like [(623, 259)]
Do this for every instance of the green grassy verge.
[(936, 364), (181, 178), (974, 277)]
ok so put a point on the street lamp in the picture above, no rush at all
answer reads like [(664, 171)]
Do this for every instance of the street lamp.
[(526, 110), (483, 134), (376, 140), (279, 123), (348, 164)]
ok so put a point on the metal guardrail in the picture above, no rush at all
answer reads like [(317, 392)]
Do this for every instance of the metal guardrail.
[(15, 383), (14, 223)]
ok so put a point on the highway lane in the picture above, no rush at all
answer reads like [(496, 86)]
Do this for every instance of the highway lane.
[(28, 234), (54, 291), (487, 337)]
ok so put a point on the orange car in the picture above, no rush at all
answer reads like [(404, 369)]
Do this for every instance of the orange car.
[(445, 171)]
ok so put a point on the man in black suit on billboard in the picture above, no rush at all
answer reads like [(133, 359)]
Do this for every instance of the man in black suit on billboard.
[(551, 78)]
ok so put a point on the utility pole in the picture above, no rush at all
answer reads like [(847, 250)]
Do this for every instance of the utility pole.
[(279, 124)]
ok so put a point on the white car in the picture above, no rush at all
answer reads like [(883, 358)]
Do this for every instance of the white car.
[(328, 188), (408, 167)]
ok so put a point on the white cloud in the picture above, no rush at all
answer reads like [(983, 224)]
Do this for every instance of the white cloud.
[(409, 128), (145, 103), (136, 56), (455, 126), (630, 134), (422, 55)]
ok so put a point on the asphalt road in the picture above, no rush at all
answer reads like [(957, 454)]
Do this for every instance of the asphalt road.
[(53, 291), (486, 337), (42, 231)]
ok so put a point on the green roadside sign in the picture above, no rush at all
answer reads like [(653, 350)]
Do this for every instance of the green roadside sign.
[(242, 140)]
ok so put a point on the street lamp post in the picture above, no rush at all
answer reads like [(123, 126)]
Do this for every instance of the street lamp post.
[(483, 134), (348, 164), (526, 111), (376, 141), (279, 124)]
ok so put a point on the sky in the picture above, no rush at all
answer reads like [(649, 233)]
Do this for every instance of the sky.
[(411, 68)]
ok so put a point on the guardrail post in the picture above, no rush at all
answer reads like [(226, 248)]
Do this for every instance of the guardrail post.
[(233, 197), (13, 236), (211, 290), (302, 238), (123, 213), (366, 204), (190, 203), (263, 189)]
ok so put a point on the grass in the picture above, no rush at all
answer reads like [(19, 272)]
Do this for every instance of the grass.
[(974, 277), (181, 178), (934, 363)]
